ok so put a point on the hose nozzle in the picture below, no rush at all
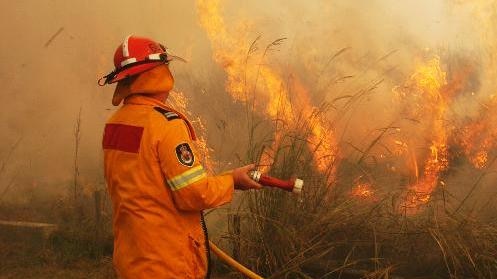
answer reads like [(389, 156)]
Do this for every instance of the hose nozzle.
[(292, 185)]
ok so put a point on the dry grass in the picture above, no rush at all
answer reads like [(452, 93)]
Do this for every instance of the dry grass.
[(74, 251)]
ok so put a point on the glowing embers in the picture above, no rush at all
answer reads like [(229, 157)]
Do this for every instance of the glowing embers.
[(363, 190)]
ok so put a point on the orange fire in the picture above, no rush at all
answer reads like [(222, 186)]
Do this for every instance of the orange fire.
[(480, 136), (425, 90), (475, 150), (267, 157), (268, 88), (426, 97)]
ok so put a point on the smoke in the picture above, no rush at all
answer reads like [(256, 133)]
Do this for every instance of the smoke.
[(53, 52), (413, 68), (333, 48)]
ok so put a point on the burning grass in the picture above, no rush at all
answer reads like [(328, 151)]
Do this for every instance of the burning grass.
[(395, 207), (330, 233), (368, 220)]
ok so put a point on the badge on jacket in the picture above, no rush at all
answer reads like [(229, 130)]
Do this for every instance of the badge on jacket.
[(185, 154)]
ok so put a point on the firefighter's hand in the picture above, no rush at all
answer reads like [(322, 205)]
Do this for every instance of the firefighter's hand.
[(242, 179)]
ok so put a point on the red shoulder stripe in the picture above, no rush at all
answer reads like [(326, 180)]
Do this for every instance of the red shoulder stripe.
[(122, 137)]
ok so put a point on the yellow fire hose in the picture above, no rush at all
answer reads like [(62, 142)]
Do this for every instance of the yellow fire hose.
[(293, 185), (231, 262)]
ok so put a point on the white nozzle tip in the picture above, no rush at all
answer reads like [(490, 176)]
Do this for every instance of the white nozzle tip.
[(255, 175), (297, 186)]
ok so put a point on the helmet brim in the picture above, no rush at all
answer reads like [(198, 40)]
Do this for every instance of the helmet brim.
[(136, 69), (132, 71)]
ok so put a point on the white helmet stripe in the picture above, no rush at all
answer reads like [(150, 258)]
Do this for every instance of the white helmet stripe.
[(125, 47), (128, 61), (154, 56)]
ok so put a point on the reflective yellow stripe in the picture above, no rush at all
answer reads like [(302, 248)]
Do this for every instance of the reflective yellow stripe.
[(188, 177)]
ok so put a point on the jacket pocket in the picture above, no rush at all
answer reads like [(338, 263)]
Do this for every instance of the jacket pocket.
[(198, 255)]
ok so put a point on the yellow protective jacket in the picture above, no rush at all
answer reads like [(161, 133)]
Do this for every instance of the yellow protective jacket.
[(158, 189)]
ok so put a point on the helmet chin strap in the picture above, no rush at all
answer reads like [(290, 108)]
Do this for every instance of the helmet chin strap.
[(106, 78)]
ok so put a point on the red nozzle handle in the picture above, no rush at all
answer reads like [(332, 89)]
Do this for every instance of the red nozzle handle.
[(292, 185)]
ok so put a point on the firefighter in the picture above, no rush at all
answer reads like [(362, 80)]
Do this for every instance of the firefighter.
[(154, 176)]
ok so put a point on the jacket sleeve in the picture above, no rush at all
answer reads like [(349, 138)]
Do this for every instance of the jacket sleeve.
[(191, 187)]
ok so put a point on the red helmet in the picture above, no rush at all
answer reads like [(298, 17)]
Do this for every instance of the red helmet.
[(137, 55)]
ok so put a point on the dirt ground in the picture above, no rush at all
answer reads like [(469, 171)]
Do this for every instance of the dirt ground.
[(83, 270), (18, 263), (33, 260), (91, 272), (80, 271)]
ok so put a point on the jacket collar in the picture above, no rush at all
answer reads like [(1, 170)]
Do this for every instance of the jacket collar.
[(144, 100), (138, 99)]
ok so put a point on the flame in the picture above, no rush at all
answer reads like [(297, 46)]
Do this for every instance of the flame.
[(363, 191), (267, 157), (427, 88), (269, 94), (480, 159), (233, 47), (479, 136), (426, 94), (414, 166), (475, 150), (321, 141)]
